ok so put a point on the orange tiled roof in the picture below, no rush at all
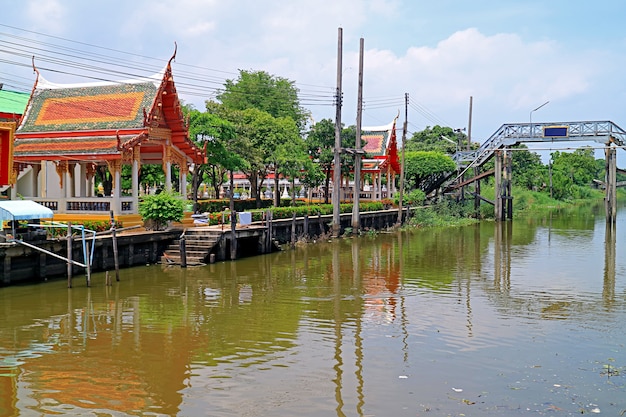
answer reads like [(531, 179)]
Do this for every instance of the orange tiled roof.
[(97, 107)]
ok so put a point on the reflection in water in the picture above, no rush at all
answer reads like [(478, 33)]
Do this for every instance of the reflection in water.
[(476, 321), (608, 291), (502, 239)]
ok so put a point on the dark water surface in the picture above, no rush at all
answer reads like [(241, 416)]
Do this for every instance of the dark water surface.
[(523, 318)]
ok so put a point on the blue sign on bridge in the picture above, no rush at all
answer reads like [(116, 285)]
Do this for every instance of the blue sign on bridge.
[(556, 131)]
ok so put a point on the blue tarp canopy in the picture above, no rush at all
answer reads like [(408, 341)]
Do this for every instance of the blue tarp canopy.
[(23, 210)]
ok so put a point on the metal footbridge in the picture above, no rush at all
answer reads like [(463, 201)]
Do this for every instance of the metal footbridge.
[(605, 132)]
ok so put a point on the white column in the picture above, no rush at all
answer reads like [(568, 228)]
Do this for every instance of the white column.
[(43, 182), (168, 176), (67, 182), (183, 182), (117, 191), (135, 185), (82, 180)]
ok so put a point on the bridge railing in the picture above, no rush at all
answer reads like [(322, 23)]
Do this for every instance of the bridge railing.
[(515, 133)]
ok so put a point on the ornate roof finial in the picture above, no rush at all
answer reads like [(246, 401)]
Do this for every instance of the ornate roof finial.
[(173, 56)]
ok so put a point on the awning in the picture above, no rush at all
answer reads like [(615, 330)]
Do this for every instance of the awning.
[(23, 210)]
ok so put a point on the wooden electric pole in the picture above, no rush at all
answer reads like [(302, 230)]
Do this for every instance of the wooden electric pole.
[(337, 154), (402, 173), (356, 214), (469, 126)]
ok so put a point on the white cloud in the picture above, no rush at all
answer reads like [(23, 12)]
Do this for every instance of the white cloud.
[(46, 15), (502, 71)]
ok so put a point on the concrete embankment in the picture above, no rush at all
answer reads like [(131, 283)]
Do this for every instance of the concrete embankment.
[(21, 263)]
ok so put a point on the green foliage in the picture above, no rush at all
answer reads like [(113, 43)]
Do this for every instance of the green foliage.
[(528, 170), (301, 210), (276, 96), (215, 135), (420, 166), (214, 206), (413, 198), (442, 213), (321, 141), (94, 225), (430, 139), (573, 172), (159, 209)]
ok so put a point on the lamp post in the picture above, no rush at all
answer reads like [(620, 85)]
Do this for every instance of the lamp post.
[(456, 144), (531, 117)]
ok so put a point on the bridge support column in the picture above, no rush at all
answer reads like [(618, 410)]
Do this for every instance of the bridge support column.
[(508, 174), (476, 193), (503, 170), (610, 200)]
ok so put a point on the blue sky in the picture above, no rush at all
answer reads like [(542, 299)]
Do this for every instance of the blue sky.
[(510, 56)]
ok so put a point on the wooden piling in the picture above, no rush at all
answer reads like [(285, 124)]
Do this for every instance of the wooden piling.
[(69, 255), (182, 245), (293, 229), (115, 254), (88, 263)]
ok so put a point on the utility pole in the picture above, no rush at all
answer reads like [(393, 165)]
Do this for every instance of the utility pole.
[(336, 228), (356, 214), (469, 127), (404, 128)]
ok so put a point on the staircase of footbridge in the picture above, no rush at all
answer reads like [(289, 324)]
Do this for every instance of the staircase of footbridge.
[(608, 134)]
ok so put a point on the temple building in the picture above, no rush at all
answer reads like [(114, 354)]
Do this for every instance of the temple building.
[(12, 105), (382, 161), (74, 139)]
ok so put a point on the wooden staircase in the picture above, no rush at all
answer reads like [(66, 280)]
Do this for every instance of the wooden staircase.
[(199, 242)]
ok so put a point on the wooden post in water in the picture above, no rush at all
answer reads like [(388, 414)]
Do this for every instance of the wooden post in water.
[(611, 184), (233, 234), (498, 207), (88, 262), (183, 251), (115, 255), (508, 169), (293, 229), (69, 255)]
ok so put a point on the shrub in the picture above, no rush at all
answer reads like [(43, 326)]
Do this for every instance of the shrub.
[(159, 209), (95, 225)]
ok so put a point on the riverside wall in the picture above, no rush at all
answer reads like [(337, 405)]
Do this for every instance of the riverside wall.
[(19, 264)]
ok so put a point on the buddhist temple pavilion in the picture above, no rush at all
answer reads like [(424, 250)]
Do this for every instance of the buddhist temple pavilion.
[(73, 135)]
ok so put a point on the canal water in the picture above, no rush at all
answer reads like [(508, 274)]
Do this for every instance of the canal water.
[(520, 318)]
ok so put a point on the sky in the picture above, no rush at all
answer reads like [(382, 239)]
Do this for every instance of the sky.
[(509, 56)]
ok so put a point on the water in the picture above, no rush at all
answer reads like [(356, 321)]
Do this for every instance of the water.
[(527, 318)]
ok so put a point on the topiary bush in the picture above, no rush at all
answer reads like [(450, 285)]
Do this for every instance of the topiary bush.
[(159, 209)]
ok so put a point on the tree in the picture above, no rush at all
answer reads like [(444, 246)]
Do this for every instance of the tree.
[(430, 139), (528, 170), (580, 165), (419, 166), (276, 96), (216, 136), (265, 109), (286, 153), (290, 160), (571, 172), (320, 144), (151, 175)]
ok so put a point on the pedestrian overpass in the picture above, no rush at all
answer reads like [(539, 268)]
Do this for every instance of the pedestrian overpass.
[(608, 134)]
